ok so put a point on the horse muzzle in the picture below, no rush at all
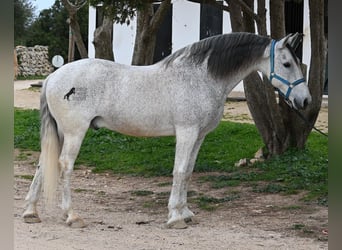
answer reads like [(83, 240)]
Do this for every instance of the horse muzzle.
[(301, 103)]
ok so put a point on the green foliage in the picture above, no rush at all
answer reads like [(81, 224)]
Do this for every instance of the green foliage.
[(120, 11), (23, 16), (51, 29)]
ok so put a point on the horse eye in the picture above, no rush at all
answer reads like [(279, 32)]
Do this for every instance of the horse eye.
[(287, 65)]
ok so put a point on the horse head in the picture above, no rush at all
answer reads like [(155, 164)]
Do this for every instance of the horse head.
[(286, 74)]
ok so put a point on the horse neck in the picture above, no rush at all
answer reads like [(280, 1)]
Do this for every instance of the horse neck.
[(261, 65)]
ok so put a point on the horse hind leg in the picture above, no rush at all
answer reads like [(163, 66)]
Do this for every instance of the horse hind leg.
[(71, 147), (31, 215)]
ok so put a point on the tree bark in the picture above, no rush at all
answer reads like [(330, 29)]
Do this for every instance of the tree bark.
[(72, 10), (262, 103), (103, 40), (235, 16), (148, 23), (317, 62)]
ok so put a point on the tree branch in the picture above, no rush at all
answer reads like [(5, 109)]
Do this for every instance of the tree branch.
[(77, 5), (245, 8), (159, 15), (213, 3)]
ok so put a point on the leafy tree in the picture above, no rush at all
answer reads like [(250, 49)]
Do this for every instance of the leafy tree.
[(119, 11), (23, 16), (111, 12), (51, 29), (148, 23)]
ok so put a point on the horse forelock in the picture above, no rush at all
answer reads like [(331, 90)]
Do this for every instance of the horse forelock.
[(226, 53)]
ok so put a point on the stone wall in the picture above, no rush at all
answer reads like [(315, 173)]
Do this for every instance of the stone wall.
[(33, 61)]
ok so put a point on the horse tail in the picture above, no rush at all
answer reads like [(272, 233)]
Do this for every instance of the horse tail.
[(50, 149)]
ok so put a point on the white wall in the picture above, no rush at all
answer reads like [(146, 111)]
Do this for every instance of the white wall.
[(123, 41), (91, 29), (185, 23)]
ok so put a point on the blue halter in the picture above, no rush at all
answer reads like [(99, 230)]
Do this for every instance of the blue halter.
[(274, 75)]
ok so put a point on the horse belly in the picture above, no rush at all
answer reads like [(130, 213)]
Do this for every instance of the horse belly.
[(137, 126)]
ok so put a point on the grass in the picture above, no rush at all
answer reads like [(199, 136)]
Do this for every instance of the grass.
[(290, 173), (35, 77)]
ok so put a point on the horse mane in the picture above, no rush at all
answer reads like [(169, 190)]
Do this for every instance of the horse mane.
[(226, 53)]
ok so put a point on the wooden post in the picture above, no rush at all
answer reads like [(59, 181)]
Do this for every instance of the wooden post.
[(71, 49)]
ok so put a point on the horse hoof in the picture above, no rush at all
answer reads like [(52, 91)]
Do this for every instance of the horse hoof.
[(31, 218), (178, 224), (76, 223)]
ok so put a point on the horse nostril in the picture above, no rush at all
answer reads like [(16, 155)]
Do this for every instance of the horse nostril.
[(305, 103)]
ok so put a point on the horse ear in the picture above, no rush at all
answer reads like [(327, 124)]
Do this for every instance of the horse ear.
[(295, 40), (282, 43)]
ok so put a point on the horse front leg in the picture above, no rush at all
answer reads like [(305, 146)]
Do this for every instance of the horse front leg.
[(67, 159), (187, 147)]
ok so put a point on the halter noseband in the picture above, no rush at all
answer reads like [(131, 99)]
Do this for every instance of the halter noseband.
[(274, 75)]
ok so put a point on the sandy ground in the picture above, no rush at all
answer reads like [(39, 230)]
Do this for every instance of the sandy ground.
[(118, 218)]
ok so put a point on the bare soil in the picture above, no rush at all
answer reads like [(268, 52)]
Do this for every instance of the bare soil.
[(125, 212)]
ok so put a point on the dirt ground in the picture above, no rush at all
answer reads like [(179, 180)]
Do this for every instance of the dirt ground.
[(118, 217)]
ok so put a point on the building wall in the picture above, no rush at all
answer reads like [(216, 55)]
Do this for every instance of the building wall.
[(185, 30)]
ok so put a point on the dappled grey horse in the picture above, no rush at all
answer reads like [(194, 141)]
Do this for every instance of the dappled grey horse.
[(182, 95)]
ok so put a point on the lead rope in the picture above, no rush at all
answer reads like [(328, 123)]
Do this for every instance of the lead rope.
[(308, 123)]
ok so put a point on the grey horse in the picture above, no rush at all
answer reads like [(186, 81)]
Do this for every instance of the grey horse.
[(182, 95)]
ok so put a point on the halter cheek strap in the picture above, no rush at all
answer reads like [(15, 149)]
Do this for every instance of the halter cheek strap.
[(290, 85)]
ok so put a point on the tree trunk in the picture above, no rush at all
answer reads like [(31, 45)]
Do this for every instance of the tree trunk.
[(279, 126), (262, 103), (298, 131), (148, 23), (72, 10), (318, 60), (103, 40), (236, 19)]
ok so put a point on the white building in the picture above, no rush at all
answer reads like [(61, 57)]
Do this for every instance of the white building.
[(187, 25)]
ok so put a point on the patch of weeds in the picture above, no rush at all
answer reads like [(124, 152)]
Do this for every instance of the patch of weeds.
[(142, 192), (34, 77), (80, 190), (298, 226), (272, 188), (101, 193), (308, 231), (221, 181), (22, 156), (163, 194), (207, 203), (148, 204), (292, 207), (303, 229), (164, 184), (25, 177), (34, 89), (211, 203), (191, 193)]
